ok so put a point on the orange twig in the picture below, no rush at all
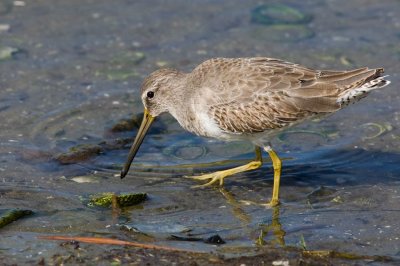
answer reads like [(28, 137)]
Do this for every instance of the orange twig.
[(110, 241)]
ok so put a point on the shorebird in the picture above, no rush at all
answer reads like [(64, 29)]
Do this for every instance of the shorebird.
[(249, 99)]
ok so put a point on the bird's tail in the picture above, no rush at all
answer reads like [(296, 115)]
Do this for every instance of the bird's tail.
[(355, 93)]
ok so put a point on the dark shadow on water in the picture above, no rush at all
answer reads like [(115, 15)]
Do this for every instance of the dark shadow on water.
[(333, 167)]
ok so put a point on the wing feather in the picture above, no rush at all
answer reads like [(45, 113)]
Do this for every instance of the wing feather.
[(248, 95)]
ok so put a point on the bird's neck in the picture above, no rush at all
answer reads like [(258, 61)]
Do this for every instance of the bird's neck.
[(177, 90), (180, 100)]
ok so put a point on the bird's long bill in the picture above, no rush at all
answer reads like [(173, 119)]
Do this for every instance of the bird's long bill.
[(144, 127)]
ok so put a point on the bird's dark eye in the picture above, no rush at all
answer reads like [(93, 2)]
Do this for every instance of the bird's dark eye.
[(150, 94)]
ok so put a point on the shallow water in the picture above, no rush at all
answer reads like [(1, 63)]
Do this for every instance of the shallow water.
[(75, 71)]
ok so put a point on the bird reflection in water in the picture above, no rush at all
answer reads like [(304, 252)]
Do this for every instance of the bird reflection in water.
[(273, 229)]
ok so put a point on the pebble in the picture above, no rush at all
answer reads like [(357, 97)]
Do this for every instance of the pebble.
[(4, 27), (84, 179), (19, 3)]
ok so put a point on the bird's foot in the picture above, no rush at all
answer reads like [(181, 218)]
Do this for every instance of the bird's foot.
[(220, 175), (213, 178)]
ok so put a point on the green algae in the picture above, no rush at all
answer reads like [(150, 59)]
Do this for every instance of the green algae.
[(123, 200), (272, 14), (13, 215)]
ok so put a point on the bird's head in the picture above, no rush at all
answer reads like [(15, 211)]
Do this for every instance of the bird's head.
[(156, 91), (155, 94)]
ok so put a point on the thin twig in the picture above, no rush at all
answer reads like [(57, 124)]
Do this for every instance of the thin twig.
[(110, 241)]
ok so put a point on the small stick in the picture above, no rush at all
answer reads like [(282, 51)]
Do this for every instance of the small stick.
[(110, 241)]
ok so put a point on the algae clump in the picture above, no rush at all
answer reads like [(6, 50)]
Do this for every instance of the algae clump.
[(124, 200)]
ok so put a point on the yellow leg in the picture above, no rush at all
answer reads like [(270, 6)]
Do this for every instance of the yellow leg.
[(277, 164), (220, 175)]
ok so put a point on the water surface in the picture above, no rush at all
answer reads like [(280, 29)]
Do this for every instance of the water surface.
[(75, 71)]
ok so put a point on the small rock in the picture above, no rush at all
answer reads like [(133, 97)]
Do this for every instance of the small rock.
[(7, 52), (280, 263), (215, 239), (4, 27), (79, 153), (161, 63), (19, 3), (84, 179)]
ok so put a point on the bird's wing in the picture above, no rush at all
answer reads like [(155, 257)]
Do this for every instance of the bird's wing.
[(248, 95)]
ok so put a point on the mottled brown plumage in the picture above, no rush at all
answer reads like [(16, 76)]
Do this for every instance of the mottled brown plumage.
[(251, 99), (259, 94)]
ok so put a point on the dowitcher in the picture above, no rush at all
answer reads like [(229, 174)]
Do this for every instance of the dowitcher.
[(249, 99)]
